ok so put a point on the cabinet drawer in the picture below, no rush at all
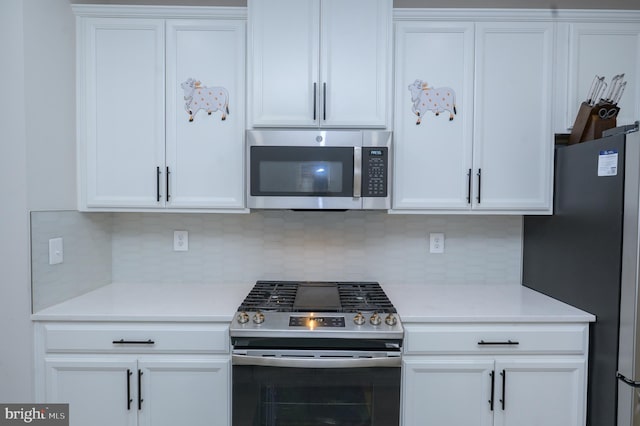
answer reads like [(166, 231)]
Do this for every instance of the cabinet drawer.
[(495, 338), (138, 338)]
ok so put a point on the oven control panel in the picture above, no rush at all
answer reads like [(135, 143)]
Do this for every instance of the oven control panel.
[(313, 322), (375, 164)]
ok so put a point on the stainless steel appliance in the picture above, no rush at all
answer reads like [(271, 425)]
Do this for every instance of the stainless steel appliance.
[(318, 169), (587, 254), (316, 353)]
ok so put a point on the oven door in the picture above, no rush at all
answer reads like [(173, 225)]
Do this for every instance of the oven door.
[(300, 388)]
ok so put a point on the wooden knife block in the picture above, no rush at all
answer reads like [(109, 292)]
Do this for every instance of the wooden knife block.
[(589, 125)]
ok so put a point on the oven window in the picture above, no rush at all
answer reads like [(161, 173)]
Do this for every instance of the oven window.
[(270, 396), (301, 171)]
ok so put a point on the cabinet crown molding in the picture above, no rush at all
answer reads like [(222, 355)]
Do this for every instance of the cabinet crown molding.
[(159, 12), (478, 15)]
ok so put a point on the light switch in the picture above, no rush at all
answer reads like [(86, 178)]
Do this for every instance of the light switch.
[(56, 252)]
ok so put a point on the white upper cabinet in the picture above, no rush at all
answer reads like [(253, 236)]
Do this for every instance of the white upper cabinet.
[(513, 136), (120, 111), (207, 153), (433, 153), (473, 105), (319, 63), (604, 48), (160, 111)]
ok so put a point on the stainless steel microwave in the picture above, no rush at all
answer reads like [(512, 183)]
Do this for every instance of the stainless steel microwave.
[(319, 169)]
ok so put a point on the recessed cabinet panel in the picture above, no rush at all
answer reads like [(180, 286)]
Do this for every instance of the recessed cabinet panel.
[(433, 144), (284, 62), (604, 49), (121, 111), (205, 113), (513, 138), (355, 62)]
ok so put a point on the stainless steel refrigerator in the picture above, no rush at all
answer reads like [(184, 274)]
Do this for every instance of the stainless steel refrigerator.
[(587, 254)]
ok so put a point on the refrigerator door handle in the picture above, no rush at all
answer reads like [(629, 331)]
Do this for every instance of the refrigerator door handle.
[(632, 383)]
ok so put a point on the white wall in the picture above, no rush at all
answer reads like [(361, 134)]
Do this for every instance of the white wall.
[(16, 366), (37, 161)]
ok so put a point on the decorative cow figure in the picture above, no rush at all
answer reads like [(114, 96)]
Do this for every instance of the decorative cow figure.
[(438, 100), (210, 99)]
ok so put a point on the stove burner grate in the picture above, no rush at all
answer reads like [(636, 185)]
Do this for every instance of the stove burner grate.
[(279, 296)]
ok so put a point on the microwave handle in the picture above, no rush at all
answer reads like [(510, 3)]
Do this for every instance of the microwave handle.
[(357, 172)]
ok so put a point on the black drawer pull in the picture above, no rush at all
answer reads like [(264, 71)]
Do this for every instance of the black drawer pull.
[(508, 342), (133, 342)]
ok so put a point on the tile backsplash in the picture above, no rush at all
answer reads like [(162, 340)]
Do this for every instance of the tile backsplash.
[(352, 245)]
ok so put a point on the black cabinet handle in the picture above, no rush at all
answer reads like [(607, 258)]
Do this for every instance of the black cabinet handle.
[(129, 400), (133, 342), (158, 184), (167, 186), (315, 99), (140, 389), (504, 388), (479, 184), (507, 343), (493, 388), (324, 101), (469, 179)]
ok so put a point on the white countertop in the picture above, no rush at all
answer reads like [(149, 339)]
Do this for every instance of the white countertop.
[(479, 303), (151, 302), (218, 303)]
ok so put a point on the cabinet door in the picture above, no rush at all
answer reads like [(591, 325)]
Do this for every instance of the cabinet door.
[(604, 49), (284, 54), (205, 114), (433, 152), (446, 392), (120, 111), (355, 62), (185, 392), (540, 392), (95, 389), (513, 138)]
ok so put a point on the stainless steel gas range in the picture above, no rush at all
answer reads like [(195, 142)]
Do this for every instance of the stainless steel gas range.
[(316, 353)]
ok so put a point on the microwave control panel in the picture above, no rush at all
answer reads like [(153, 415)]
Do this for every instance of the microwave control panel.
[(375, 170)]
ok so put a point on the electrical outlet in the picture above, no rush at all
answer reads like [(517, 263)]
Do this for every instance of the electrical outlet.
[(180, 241), (436, 242), (56, 252)]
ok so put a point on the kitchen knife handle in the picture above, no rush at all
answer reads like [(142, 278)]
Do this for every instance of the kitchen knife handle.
[(479, 184), (129, 400)]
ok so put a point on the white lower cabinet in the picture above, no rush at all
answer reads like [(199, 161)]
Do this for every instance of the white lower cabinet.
[(499, 375), (119, 378)]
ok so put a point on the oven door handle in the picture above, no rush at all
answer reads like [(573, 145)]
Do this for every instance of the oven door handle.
[(316, 362)]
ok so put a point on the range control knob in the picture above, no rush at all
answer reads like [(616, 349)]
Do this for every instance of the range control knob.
[(375, 319), (359, 318), (243, 317), (258, 318), (391, 320)]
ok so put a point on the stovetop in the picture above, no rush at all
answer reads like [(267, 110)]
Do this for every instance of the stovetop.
[(317, 296), (316, 309)]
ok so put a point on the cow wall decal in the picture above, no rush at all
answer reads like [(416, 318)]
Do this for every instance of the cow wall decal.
[(210, 99), (427, 98)]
